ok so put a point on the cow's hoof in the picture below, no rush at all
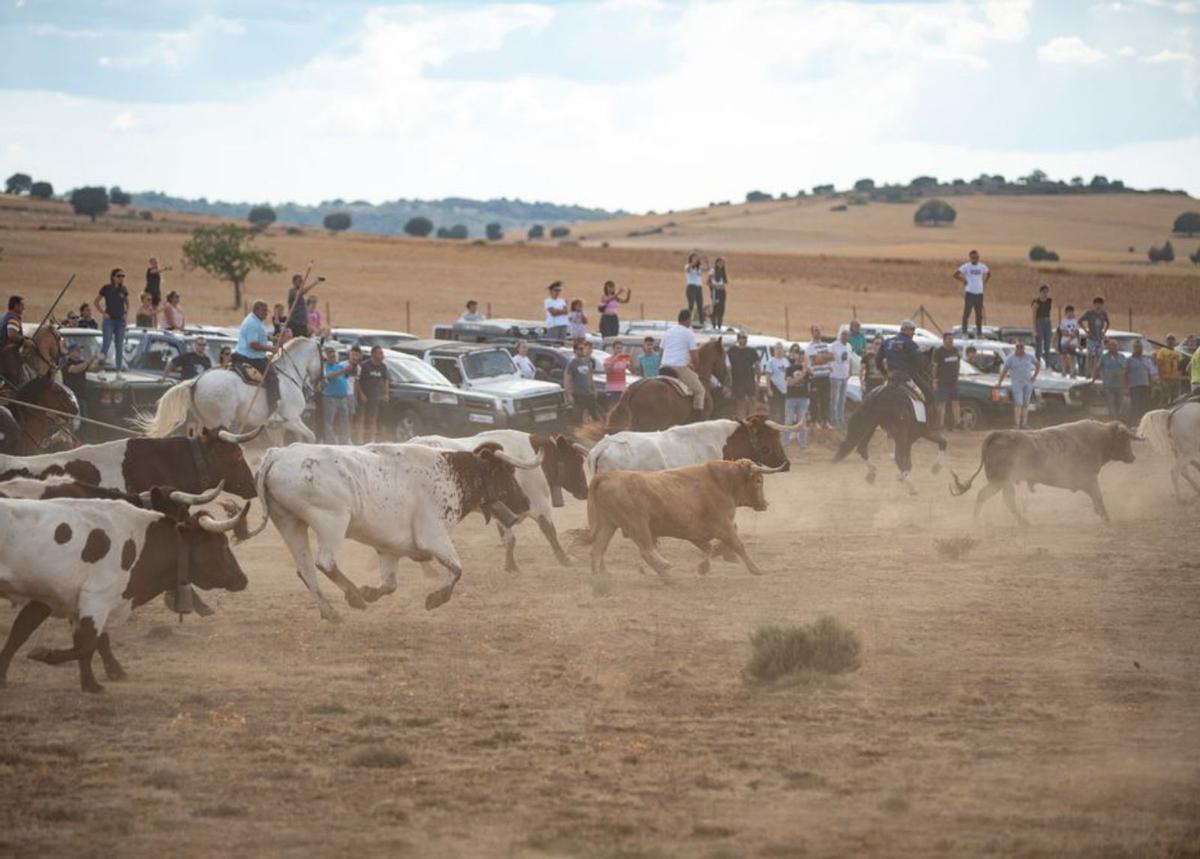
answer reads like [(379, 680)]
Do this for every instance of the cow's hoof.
[(92, 688), (39, 654), (355, 599), (200, 607), (704, 568), (437, 598), (330, 614), (871, 476), (565, 561), (937, 468), (115, 674)]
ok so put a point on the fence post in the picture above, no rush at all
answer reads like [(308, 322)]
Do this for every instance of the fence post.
[(408, 315), (642, 305), (1130, 328), (489, 313), (787, 325), (328, 315)]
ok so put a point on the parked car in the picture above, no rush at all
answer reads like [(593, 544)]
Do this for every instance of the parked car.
[(507, 331), (551, 362), (368, 338), (489, 369), (923, 337)]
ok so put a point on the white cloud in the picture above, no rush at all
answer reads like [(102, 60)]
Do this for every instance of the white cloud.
[(1127, 51), (53, 31), (124, 121), (1069, 50), (175, 49), (1182, 7), (1168, 56)]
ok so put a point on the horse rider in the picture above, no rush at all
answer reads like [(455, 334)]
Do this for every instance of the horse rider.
[(680, 352), (900, 359), (253, 348), (13, 339)]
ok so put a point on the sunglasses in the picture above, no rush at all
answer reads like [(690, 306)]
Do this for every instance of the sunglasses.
[(120, 276)]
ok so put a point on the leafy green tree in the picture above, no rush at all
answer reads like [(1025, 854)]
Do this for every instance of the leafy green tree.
[(41, 190), (822, 189), (1187, 224), (1195, 258), (118, 197), (560, 232), (934, 213), (337, 221), (226, 252), (458, 231), (494, 232), (1166, 253), (418, 227), (537, 231), (18, 183), (90, 201), (261, 217), (1038, 253), (864, 185), (758, 197)]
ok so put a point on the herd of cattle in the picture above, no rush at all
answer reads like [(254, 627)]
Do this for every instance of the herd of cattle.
[(91, 533)]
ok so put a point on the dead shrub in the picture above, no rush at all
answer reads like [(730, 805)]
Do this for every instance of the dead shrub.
[(825, 646), (954, 548)]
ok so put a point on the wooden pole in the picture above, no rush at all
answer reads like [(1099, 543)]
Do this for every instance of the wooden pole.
[(408, 315), (787, 324), (489, 307), (1130, 328), (328, 315), (643, 306)]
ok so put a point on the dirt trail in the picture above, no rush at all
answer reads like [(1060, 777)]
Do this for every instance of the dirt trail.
[(1037, 697)]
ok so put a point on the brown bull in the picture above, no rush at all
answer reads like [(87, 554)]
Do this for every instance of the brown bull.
[(696, 503), (1068, 457)]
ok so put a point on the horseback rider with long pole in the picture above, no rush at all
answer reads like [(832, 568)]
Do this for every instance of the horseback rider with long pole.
[(900, 359)]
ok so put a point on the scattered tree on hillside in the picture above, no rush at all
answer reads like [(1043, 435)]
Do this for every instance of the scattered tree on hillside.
[(758, 197), (418, 227), (41, 190), (1195, 258), (560, 232), (335, 222), (261, 217), (226, 252), (537, 231), (1076, 181), (1164, 254), (494, 232), (1187, 224), (924, 182), (118, 197), (1098, 182), (458, 232), (822, 189), (934, 213), (1037, 253), (90, 201), (864, 185), (18, 183)]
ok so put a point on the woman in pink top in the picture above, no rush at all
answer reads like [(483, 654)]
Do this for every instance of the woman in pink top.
[(610, 325), (314, 316), (172, 313), (616, 366)]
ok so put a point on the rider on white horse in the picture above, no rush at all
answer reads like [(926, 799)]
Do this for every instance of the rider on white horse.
[(254, 347)]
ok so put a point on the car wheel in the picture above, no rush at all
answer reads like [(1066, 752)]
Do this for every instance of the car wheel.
[(408, 426), (970, 416)]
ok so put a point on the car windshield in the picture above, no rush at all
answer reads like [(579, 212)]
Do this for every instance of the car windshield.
[(88, 343), (1125, 343), (485, 365), (415, 372)]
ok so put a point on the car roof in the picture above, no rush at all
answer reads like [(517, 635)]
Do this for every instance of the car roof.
[(367, 332), (448, 346)]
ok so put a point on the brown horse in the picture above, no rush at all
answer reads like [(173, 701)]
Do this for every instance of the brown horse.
[(656, 404), (39, 432)]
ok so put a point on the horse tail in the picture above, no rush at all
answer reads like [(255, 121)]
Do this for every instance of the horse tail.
[(861, 426), (172, 410), (960, 488), (1156, 429)]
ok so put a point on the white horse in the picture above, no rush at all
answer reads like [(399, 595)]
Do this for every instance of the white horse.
[(219, 398), (1175, 432)]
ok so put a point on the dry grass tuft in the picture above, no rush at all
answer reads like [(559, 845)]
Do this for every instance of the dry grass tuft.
[(954, 548), (823, 647), (380, 759)]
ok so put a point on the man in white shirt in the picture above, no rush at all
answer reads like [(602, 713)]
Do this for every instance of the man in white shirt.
[(556, 312), (679, 352), (839, 377), (472, 313), (521, 359), (973, 275)]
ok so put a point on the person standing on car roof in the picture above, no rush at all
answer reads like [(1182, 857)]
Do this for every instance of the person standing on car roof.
[(694, 289), (154, 273), (610, 298), (556, 312), (472, 314), (297, 306), (113, 300), (1043, 328), (1095, 323), (718, 289), (973, 275)]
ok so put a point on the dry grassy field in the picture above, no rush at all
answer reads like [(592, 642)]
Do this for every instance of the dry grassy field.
[(1037, 697)]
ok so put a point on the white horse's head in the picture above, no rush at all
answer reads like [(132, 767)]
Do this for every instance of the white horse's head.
[(303, 353)]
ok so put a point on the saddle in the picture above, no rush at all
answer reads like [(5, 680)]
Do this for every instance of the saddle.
[(668, 374), (915, 396), (248, 373)]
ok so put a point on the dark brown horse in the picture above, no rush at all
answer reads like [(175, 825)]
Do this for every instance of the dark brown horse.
[(656, 404), (38, 431)]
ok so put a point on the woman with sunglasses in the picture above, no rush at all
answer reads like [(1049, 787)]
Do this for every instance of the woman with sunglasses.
[(113, 302)]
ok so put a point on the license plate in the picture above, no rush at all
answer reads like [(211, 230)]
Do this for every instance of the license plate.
[(542, 417), (480, 419)]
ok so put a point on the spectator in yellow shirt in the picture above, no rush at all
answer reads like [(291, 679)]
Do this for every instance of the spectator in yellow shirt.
[(1168, 361)]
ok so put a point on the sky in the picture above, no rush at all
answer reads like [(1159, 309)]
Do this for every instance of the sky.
[(633, 104)]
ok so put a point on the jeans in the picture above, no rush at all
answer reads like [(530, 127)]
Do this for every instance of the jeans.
[(1041, 347), (337, 420), (558, 332), (820, 399), (795, 409), (586, 406), (695, 302), (718, 307), (775, 405), (1139, 403), (1112, 399), (837, 402), (113, 332), (973, 301)]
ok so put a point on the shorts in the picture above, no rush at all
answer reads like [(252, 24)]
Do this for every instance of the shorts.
[(1095, 346), (1022, 394), (945, 394)]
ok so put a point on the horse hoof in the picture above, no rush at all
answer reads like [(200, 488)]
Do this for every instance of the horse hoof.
[(870, 477), (937, 468)]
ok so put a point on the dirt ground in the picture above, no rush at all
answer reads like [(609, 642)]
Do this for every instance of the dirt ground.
[(1037, 698)]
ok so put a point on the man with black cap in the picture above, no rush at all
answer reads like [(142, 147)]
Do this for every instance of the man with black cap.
[(556, 312)]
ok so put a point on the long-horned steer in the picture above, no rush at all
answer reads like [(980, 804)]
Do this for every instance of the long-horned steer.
[(562, 468), (94, 561), (400, 499), (696, 503), (1069, 456), (756, 438)]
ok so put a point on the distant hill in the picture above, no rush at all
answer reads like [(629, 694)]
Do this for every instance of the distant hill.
[(389, 218)]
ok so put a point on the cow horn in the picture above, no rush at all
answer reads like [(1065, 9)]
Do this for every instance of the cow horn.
[(783, 427), (239, 438), (217, 526), (188, 498), (518, 463), (763, 469)]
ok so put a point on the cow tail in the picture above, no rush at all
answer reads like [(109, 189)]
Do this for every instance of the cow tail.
[(590, 537), (173, 409), (1156, 429), (959, 487), (260, 488)]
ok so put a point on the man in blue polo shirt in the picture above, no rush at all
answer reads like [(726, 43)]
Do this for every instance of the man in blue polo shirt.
[(253, 348), (335, 401)]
